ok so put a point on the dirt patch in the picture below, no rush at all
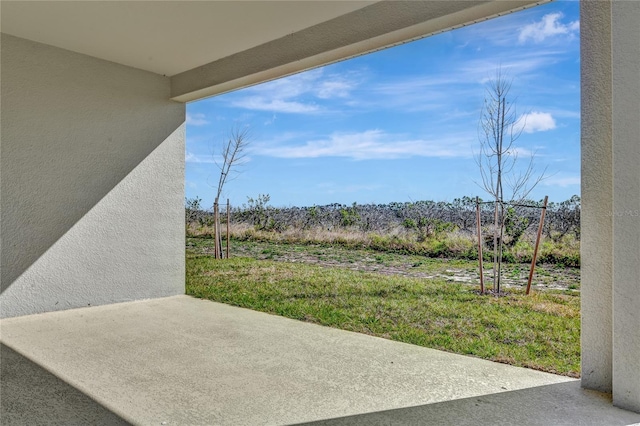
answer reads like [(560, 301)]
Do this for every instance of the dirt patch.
[(546, 277)]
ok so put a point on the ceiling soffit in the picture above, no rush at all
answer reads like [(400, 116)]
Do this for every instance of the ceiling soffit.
[(371, 28)]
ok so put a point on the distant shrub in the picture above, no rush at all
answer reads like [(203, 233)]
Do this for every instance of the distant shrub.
[(427, 228)]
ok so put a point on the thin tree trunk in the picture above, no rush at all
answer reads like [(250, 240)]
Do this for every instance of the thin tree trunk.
[(216, 236), (500, 242)]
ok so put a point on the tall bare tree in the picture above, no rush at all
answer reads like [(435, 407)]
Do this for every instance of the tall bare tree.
[(498, 130), (232, 155)]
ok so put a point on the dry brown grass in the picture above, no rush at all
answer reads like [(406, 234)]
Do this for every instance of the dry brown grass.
[(455, 244)]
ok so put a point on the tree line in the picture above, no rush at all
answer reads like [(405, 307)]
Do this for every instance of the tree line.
[(427, 218)]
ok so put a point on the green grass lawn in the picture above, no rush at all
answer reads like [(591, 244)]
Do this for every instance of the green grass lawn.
[(541, 331)]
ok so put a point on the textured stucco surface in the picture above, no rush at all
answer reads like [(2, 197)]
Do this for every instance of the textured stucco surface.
[(610, 43), (626, 203), (597, 186), (92, 163)]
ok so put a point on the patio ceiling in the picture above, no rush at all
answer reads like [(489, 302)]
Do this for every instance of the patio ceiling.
[(164, 37), (209, 47)]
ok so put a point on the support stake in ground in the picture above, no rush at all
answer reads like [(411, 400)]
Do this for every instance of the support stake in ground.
[(228, 225), (535, 250), (479, 244)]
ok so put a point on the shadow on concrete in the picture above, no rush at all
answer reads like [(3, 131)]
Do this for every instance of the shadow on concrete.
[(30, 395), (557, 404)]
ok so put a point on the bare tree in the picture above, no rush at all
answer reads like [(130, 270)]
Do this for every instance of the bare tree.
[(232, 155), (498, 130)]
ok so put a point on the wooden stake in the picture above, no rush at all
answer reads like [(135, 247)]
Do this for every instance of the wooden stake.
[(228, 221), (479, 244), (535, 250), (496, 284), (216, 250)]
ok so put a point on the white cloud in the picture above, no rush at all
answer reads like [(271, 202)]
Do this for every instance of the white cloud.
[(288, 87), (338, 88), (494, 32), (412, 84), (444, 90), (520, 152), (341, 188), (275, 105), (566, 113), (548, 26), (370, 144), (537, 122), (415, 93), (271, 120), (196, 120), (562, 181), (190, 157), (516, 65), (297, 94)]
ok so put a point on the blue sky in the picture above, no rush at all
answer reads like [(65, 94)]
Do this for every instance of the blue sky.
[(400, 124)]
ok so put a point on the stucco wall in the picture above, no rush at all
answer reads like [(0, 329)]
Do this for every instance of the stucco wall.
[(92, 172), (626, 202), (610, 43), (597, 187)]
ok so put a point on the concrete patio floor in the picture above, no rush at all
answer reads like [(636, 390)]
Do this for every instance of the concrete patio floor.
[(184, 361)]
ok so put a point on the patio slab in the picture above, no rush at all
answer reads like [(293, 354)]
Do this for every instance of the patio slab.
[(185, 361)]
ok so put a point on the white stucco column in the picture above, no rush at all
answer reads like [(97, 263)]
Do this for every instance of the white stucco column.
[(610, 37), (597, 187), (625, 41)]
